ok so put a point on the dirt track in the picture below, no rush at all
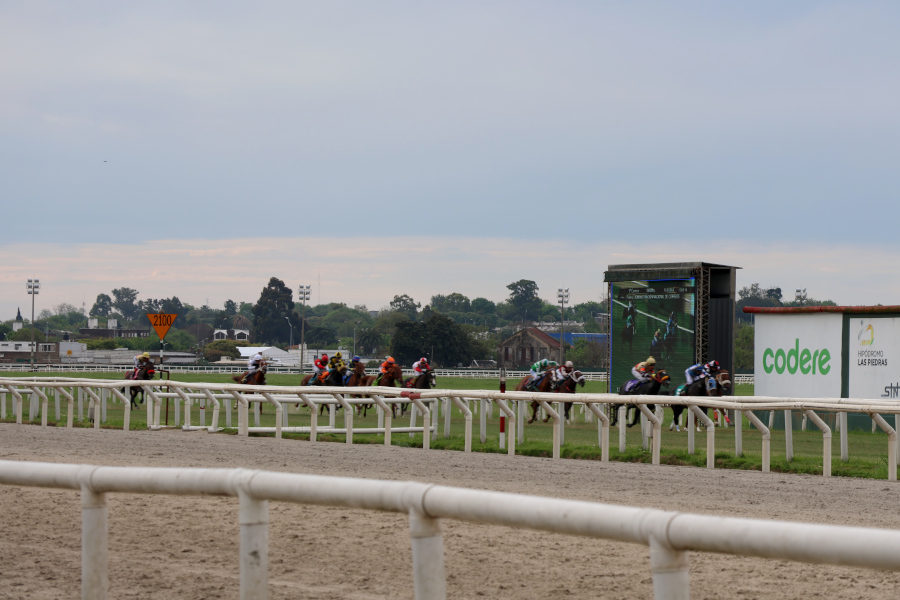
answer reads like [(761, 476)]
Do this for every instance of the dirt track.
[(176, 547)]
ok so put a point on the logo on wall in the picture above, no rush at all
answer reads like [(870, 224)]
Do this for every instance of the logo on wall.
[(866, 334)]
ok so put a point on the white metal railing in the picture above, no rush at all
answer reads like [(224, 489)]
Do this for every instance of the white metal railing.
[(236, 369), (670, 535), (430, 404)]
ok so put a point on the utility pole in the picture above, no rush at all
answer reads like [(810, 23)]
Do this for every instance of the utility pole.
[(562, 296), (291, 345), (34, 288), (304, 296)]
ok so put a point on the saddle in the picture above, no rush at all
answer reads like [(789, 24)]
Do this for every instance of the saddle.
[(680, 390), (632, 385)]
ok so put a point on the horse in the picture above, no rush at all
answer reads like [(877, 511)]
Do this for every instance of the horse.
[(568, 385), (543, 387), (648, 388), (425, 381), (705, 386), (392, 376), (144, 372), (258, 377)]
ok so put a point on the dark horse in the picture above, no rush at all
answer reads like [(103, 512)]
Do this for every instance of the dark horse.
[(144, 372), (568, 385), (648, 388), (706, 386), (425, 381), (258, 378)]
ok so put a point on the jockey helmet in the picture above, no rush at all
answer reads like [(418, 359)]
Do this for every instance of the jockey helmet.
[(146, 355), (337, 354), (570, 364), (324, 357), (424, 360), (650, 362), (713, 365), (390, 359), (356, 358)]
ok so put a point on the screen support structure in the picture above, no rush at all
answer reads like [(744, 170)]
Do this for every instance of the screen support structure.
[(702, 319)]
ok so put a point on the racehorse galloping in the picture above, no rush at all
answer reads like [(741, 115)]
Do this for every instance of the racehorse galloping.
[(544, 387), (258, 378), (572, 380), (425, 381), (390, 378), (648, 388), (145, 372), (705, 386)]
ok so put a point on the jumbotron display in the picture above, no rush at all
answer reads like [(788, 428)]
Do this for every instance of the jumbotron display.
[(652, 318)]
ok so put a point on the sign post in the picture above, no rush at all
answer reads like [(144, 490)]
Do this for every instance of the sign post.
[(502, 414), (161, 323)]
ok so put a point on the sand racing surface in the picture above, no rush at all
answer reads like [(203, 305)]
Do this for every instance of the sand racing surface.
[(186, 547)]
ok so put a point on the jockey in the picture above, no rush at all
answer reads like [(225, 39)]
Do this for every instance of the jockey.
[(421, 367), (563, 372), (538, 369), (700, 370), (671, 324), (657, 338), (353, 362), (643, 371), (336, 362), (385, 366), (320, 368), (252, 366), (140, 359)]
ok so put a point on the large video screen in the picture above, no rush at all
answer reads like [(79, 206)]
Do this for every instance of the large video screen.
[(652, 318)]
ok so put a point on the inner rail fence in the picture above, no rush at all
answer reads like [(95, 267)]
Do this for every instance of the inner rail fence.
[(669, 535), (437, 403)]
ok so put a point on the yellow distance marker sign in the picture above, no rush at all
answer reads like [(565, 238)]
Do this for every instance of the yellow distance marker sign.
[(161, 323)]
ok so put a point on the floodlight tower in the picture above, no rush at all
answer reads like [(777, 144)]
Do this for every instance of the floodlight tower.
[(800, 296), (562, 296), (34, 288), (304, 296)]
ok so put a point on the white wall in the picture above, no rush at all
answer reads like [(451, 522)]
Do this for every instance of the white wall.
[(874, 357), (791, 351)]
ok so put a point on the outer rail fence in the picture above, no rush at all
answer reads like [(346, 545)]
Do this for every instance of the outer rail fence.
[(432, 404), (669, 535), (236, 369)]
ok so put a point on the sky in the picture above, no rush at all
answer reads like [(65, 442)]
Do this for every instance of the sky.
[(197, 149)]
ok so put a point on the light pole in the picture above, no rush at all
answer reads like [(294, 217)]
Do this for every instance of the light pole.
[(800, 296), (292, 333), (34, 288), (304, 296), (562, 296)]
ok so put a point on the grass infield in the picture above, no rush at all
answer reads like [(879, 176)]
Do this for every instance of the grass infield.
[(868, 451)]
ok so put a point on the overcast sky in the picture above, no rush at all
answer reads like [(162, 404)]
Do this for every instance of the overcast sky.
[(445, 146)]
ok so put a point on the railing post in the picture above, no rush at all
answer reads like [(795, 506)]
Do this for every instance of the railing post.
[(482, 418), (842, 421), (690, 428), (766, 440), (671, 579), (254, 523), (826, 441), (427, 557), (623, 423), (788, 436), (738, 433), (602, 429), (94, 545), (710, 435)]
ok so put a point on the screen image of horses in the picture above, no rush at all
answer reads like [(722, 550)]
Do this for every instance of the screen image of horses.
[(652, 318)]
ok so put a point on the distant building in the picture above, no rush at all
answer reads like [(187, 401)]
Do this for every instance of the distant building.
[(238, 335), (526, 347), (20, 352), (112, 330)]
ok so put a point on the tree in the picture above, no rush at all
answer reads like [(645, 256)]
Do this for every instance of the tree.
[(214, 351), (125, 302), (231, 308), (455, 302), (369, 341), (438, 337), (321, 337), (406, 305), (586, 354), (102, 306), (523, 299), (483, 306), (24, 335), (272, 312), (743, 346)]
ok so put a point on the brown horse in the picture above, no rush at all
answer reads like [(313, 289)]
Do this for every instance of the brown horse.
[(714, 387), (543, 386), (258, 378), (390, 378), (574, 379)]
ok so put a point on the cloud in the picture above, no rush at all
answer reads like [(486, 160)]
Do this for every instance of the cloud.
[(371, 270)]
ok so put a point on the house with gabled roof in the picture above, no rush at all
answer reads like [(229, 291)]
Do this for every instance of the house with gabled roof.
[(526, 347)]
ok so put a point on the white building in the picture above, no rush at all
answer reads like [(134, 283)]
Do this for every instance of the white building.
[(276, 356)]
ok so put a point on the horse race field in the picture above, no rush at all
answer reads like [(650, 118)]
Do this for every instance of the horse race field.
[(186, 547)]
